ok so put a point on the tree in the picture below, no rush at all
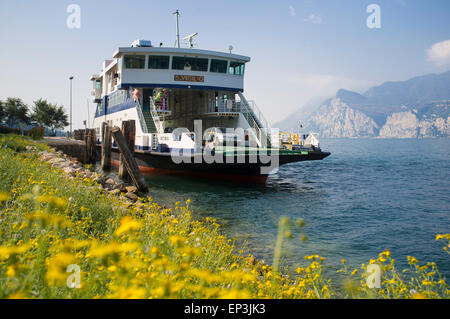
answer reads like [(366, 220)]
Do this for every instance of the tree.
[(60, 119), (16, 112), (2, 111), (49, 115)]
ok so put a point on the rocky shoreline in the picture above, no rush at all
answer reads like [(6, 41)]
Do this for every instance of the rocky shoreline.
[(72, 167)]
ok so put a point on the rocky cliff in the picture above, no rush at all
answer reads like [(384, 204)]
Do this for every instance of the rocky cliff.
[(337, 119), (412, 124)]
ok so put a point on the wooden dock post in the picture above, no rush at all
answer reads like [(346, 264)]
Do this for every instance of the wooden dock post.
[(91, 151), (129, 132), (129, 160), (103, 129), (122, 170), (86, 149), (131, 135), (106, 146)]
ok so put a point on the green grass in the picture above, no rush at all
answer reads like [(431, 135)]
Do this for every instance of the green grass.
[(50, 221)]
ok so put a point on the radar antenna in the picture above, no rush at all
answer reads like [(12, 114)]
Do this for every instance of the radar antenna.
[(189, 39)]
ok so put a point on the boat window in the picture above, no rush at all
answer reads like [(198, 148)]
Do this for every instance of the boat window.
[(236, 68), (219, 66), (98, 84), (116, 98), (134, 61), (158, 62), (189, 64)]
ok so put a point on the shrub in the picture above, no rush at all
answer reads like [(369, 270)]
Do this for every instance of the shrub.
[(36, 133), (9, 130)]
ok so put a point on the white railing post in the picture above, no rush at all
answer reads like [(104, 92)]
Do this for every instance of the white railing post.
[(155, 117), (141, 117)]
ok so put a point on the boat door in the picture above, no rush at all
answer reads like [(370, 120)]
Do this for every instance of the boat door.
[(146, 94)]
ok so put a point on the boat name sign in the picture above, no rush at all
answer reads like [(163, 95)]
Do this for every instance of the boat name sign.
[(189, 78)]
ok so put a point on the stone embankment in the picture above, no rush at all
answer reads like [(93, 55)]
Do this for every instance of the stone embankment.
[(72, 167)]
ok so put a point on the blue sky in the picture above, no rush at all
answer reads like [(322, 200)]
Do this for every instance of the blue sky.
[(299, 49)]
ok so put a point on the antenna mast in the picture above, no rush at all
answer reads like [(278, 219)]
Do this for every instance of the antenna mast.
[(177, 41)]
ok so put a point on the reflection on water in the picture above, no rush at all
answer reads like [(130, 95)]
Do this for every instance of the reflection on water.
[(367, 196)]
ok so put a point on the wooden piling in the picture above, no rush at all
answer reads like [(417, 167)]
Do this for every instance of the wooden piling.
[(76, 135), (122, 169), (93, 146), (129, 160), (106, 147), (86, 149), (90, 141), (129, 132), (131, 135), (102, 132)]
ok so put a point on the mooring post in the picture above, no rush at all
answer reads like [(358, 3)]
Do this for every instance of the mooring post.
[(132, 135), (90, 141), (106, 147), (94, 145), (103, 129), (122, 170), (129, 161), (86, 149), (129, 133)]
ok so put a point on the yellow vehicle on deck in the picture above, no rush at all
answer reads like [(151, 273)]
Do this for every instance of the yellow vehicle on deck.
[(291, 141)]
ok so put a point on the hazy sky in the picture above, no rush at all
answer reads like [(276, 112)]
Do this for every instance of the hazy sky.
[(299, 49)]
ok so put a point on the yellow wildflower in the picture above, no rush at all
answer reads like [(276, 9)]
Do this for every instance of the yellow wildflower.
[(4, 197), (57, 268), (127, 223), (411, 260)]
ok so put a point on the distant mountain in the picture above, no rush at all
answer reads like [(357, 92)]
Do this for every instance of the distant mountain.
[(419, 107), (351, 97), (420, 89)]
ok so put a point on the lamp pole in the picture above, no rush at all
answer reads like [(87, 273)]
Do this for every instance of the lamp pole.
[(71, 78)]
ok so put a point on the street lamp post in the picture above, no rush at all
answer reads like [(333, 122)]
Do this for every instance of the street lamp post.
[(71, 78)]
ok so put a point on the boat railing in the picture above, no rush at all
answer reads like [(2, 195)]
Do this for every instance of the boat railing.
[(155, 116), (224, 106), (141, 117), (258, 114), (255, 119)]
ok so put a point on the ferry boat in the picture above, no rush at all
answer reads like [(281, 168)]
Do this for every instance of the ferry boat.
[(191, 115)]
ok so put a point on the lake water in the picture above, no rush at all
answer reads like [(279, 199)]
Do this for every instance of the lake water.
[(368, 195)]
